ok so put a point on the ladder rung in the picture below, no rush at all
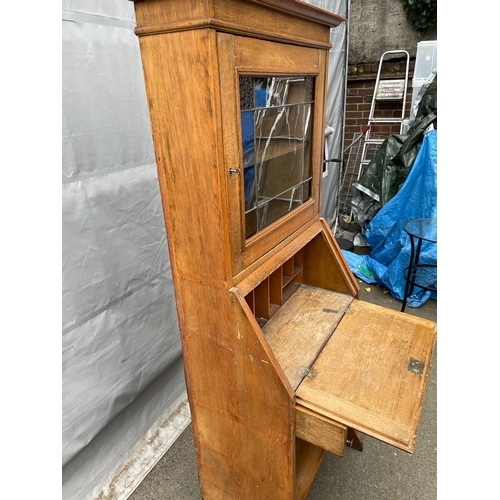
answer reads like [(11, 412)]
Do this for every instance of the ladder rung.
[(385, 120), (375, 141)]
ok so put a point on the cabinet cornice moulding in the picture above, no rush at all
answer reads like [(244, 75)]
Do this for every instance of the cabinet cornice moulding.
[(240, 17)]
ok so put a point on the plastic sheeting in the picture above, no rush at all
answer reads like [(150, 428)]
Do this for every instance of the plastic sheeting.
[(390, 244), (122, 360), (389, 168), (335, 107), (120, 329)]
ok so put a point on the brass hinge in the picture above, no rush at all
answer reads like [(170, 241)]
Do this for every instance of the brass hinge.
[(416, 366), (308, 372)]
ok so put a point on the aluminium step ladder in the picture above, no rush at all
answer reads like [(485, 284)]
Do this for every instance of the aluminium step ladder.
[(385, 90)]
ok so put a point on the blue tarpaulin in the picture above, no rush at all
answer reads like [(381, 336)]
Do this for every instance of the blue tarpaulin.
[(390, 244)]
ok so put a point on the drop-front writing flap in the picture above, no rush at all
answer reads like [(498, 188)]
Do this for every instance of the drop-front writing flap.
[(371, 375)]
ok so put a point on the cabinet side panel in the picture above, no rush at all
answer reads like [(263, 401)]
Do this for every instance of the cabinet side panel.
[(185, 124), (343, 267), (242, 411), (325, 266)]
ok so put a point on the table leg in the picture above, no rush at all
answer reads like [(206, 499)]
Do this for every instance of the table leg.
[(414, 257)]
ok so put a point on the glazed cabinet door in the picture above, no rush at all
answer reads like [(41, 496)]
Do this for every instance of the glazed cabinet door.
[(272, 101)]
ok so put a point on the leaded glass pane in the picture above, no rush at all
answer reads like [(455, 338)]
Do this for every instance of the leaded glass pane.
[(276, 122)]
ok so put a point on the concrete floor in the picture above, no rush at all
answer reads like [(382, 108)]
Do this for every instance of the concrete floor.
[(379, 472)]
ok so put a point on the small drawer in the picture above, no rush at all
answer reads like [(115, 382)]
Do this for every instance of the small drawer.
[(320, 430)]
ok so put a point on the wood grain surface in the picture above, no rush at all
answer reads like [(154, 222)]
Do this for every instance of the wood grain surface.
[(361, 377)]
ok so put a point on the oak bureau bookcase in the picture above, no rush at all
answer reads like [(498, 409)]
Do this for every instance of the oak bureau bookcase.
[(282, 360)]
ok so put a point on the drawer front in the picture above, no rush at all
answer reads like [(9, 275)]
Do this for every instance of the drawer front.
[(320, 430)]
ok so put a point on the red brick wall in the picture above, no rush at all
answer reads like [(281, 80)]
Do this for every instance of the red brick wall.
[(360, 87)]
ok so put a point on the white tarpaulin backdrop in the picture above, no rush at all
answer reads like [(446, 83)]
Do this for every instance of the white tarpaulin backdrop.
[(122, 361)]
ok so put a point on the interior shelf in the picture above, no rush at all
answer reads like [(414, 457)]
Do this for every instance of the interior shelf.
[(275, 290), (273, 148)]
